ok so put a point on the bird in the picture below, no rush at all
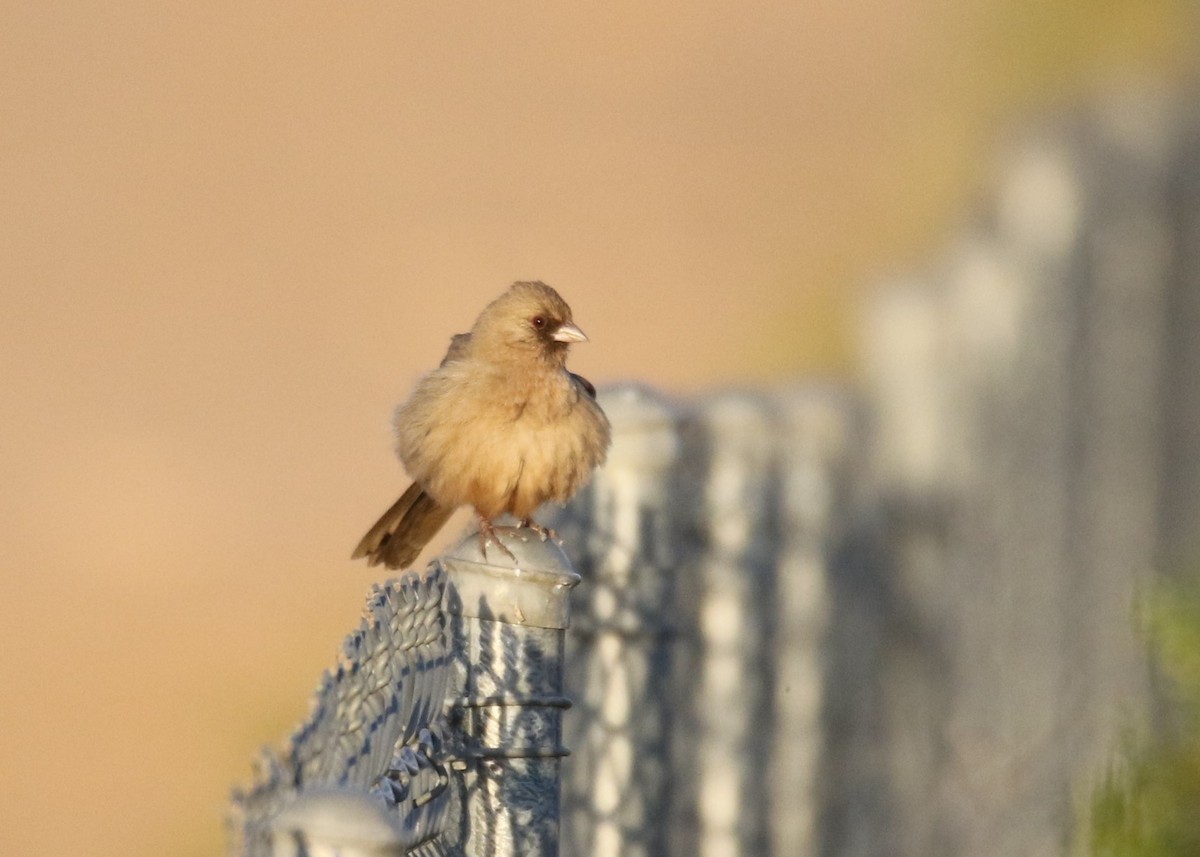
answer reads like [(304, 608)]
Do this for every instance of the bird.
[(501, 425)]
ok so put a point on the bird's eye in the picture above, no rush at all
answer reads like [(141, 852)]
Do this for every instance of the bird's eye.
[(539, 322)]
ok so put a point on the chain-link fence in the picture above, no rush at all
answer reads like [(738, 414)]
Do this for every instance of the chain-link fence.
[(890, 620)]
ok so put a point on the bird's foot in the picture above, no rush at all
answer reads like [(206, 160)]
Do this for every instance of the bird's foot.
[(487, 533), (543, 532)]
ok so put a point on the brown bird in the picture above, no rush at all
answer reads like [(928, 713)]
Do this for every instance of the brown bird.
[(500, 426)]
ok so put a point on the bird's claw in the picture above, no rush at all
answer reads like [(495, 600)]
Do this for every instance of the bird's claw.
[(487, 533), (544, 533)]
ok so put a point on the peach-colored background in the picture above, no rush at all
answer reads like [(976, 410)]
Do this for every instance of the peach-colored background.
[(231, 235)]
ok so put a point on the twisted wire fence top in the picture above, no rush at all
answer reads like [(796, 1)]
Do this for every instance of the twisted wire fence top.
[(373, 724)]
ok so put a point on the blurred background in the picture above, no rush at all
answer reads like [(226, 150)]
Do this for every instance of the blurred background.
[(233, 236)]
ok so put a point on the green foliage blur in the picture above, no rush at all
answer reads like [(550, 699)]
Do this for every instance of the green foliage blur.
[(1149, 802)]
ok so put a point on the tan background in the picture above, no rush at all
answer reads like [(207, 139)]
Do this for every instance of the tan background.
[(231, 235)]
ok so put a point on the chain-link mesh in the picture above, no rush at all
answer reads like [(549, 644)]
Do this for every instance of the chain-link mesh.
[(374, 727)]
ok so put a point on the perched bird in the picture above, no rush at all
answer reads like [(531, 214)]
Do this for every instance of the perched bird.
[(500, 426)]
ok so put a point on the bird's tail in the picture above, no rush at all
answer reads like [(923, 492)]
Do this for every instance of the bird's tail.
[(404, 530)]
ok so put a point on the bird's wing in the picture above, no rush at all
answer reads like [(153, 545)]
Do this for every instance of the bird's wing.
[(587, 385), (458, 348)]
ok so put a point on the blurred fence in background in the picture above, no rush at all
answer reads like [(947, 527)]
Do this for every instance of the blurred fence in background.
[(1037, 459), (893, 620), (721, 545), (900, 622)]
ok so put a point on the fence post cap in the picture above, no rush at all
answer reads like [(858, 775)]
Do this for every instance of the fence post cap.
[(338, 818), (532, 590)]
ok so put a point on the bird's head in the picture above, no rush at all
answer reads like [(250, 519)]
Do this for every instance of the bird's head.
[(529, 318)]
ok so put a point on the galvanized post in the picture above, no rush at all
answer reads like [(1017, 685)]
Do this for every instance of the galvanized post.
[(733, 436), (507, 621), (815, 437)]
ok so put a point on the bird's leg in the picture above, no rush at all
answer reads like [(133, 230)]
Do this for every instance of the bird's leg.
[(487, 533), (543, 532)]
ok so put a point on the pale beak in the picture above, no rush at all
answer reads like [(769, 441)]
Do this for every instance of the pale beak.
[(568, 333)]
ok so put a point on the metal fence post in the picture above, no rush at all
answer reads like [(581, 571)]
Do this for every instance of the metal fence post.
[(817, 578), (506, 622), (731, 441)]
